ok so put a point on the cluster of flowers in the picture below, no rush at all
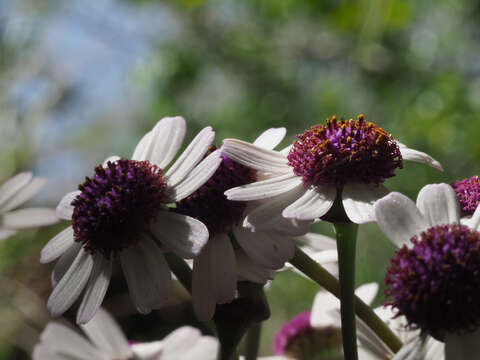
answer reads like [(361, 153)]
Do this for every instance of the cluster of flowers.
[(237, 213)]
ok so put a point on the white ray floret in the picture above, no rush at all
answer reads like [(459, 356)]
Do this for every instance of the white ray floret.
[(15, 192)]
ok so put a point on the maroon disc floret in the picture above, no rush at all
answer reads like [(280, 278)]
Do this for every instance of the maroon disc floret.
[(468, 194), (345, 151), (209, 204), (297, 339), (116, 205), (436, 283)]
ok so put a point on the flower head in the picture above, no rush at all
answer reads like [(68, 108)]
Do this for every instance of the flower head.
[(15, 192), (341, 152), (435, 284), (117, 204), (233, 252), (121, 213), (468, 194), (209, 204), (432, 279), (347, 157)]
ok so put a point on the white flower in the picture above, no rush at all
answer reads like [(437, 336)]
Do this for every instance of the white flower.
[(305, 177), (235, 252), (433, 264), (121, 213), (105, 341), (15, 192)]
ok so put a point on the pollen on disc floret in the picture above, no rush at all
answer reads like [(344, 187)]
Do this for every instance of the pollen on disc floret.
[(116, 205), (436, 283), (345, 151), (209, 204)]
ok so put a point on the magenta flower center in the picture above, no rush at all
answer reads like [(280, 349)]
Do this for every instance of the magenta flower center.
[(468, 194), (117, 204), (209, 204), (297, 339), (436, 283), (345, 151)]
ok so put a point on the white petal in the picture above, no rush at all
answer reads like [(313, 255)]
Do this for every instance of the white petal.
[(474, 221), (66, 343), (180, 340), (29, 218), (317, 242), (268, 249), (24, 194), (250, 270), (105, 333), (214, 277), (140, 150), (64, 263), (41, 352), (151, 350), (313, 204), (268, 215), (323, 304), (439, 204), (420, 157), (147, 274), (190, 157), (205, 348), (166, 139), (71, 285), (6, 233), (462, 346), (111, 159), (270, 138), (367, 292), (399, 218), (64, 209), (182, 234), (57, 246), (95, 289), (359, 200), (255, 157), (196, 178), (264, 189), (13, 185)]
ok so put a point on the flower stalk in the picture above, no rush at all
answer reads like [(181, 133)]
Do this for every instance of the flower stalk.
[(252, 341), (346, 241), (321, 276)]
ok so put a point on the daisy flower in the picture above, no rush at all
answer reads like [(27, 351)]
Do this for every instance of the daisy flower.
[(121, 213), (234, 252), (105, 340), (15, 192), (353, 156), (433, 279)]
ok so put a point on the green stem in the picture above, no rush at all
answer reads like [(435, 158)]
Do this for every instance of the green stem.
[(322, 277), (181, 270), (253, 341), (346, 241)]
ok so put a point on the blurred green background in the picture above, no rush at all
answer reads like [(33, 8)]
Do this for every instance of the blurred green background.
[(80, 81)]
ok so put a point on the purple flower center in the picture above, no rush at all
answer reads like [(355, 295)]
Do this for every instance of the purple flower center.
[(341, 152), (209, 205), (436, 283), (116, 204), (468, 194), (297, 339)]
